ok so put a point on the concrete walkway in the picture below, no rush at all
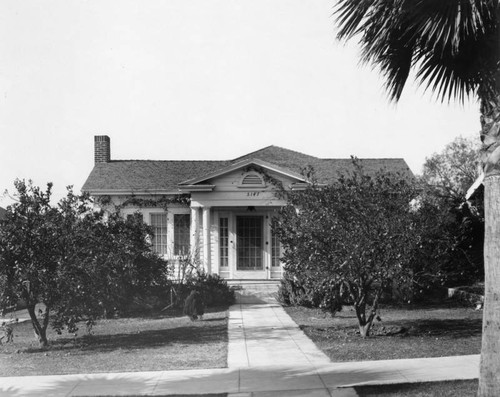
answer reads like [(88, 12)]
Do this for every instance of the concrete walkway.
[(268, 356)]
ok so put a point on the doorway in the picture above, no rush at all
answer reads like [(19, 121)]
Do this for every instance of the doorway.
[(250, 243)]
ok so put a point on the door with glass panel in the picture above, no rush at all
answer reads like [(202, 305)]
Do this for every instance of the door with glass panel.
[(249, 243)]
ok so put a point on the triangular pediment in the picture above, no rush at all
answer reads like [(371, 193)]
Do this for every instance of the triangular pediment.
[(256, 166)]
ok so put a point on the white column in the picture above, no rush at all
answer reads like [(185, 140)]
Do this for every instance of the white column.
[(206, 239), (195, 240)]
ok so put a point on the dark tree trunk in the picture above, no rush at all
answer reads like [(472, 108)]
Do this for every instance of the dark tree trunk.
[(40, 329), (364, 322)]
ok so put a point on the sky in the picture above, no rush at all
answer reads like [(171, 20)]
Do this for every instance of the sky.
[(196, 80)]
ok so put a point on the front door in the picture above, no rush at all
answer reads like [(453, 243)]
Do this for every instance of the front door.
[(249, 243)]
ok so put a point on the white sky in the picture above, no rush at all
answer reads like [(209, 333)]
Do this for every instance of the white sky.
[(196, 79)]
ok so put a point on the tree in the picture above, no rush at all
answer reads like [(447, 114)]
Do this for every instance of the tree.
[(447, 177), (454, 46), (73, 262), (450, 249), (27, 270), (350, 241), (453, 171)]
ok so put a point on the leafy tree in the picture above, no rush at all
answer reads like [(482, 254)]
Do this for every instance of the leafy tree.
[(450, 250), (454, 46), (73, 262), (458, 231), (453, 171), (350, 241)]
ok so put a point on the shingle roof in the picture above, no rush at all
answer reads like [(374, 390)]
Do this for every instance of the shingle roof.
[(327, 170), (286, 158), (152, 175), (139, 175)]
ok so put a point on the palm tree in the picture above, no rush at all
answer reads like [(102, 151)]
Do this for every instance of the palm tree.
[(454, 48)]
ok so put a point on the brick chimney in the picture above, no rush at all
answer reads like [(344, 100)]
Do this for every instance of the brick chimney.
[(102, 149)]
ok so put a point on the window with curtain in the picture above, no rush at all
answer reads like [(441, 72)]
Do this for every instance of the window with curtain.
[(275, 251), (224, 242), (159, 225), (181, 234)]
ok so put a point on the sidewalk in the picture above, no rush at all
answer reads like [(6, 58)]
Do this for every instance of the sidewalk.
[(260, 333)]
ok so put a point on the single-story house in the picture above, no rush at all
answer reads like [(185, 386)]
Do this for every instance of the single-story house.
[(216, 211)]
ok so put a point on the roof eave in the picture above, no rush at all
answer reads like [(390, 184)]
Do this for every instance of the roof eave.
[(130, 192), (196, 188)]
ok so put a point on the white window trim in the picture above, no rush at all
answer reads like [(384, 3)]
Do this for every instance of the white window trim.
[(146, 216)]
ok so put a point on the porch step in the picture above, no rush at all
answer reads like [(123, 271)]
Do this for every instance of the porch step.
[(255, 291)]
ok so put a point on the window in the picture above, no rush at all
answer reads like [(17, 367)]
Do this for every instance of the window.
[(159, 224), (275, 251), (181, 234), (224, 242)]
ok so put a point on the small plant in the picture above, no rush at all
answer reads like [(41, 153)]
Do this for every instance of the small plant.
[(213, 289), (295, 292), (194, 307)]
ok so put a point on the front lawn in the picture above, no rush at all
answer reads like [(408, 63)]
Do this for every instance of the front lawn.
[(456, 388), (121, 345), (421, 332)]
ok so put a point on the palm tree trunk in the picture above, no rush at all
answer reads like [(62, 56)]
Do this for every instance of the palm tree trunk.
[(489, 384), (489, 379)]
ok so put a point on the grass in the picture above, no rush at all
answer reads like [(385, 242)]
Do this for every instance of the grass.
[(121, 345), (458, 388), (435, 331)]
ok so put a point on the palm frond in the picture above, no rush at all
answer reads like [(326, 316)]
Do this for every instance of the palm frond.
[(350, 15), (448, 23), (453, 44)]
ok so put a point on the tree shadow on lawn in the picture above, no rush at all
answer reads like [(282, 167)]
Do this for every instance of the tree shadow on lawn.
[(173, 312), (141, 340), (451, 328)]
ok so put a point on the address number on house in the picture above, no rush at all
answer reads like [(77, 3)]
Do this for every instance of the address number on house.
[(253, 194)]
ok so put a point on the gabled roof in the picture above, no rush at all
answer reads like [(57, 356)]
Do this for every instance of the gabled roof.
[(165, 176), (285, 158), (242, 164)]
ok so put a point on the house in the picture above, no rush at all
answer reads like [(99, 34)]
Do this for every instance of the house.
[(217, 211)]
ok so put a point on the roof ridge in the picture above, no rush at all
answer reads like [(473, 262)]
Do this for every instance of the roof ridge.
[(251, 154), (168, 161), (363, 158), (242, 158)]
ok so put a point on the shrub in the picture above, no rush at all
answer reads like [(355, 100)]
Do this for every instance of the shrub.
[(295, 292), (213, 289)]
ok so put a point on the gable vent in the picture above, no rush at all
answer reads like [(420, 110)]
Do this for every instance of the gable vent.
[(252, 179)]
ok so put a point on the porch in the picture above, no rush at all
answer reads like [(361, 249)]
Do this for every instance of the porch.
[(236, 243)]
